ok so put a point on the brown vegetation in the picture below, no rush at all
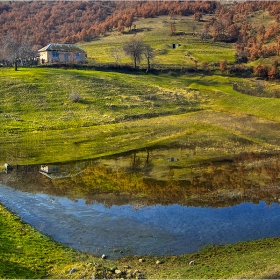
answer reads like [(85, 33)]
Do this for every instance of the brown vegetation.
[(68, 22), (40, 23)]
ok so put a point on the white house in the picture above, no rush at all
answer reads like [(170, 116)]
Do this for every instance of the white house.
[(64, 53)]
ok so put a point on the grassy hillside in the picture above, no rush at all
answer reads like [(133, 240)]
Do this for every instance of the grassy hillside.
[(156, 32), (120, 112)]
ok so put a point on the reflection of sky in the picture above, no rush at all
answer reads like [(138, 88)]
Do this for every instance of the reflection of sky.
[(155, 229)]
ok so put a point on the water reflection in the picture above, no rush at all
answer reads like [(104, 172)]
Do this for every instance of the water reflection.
[(156, 230), (123, 204), (132, 180)]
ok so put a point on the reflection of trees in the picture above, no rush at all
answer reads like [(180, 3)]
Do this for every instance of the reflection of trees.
[(137, 164), (247, 177)]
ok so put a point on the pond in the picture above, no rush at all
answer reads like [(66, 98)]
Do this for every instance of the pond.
[(99, 207)]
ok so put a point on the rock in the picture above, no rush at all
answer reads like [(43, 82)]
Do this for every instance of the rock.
[(126, 267), (139, 275), (141, 260), (104, 257), (158, 262), (72, 270), (118, 272), (191, 263)]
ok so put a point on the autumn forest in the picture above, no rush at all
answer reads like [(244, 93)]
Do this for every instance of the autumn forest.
[(42, 22)]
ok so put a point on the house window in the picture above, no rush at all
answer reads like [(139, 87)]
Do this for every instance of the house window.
[(78, 56), (55, 54)]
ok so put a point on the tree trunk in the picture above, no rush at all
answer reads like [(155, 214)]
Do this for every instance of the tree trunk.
[(148, 64), (16, 66)]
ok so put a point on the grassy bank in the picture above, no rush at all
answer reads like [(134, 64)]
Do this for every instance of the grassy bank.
[(25, 253)]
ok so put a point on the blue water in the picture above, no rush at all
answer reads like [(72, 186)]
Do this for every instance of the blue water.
[(155, 230)]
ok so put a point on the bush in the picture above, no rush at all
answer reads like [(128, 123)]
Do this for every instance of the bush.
[(240, 69), (75, 96)]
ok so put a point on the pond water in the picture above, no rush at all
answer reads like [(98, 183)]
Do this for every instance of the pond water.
[(117, 222)]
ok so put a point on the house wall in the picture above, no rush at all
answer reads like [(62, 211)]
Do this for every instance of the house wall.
[(65, 57), (49, 168)]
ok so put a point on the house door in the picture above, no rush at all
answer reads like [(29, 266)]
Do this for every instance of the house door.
[(66, 57)]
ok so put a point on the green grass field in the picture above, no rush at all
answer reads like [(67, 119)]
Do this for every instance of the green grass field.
[(156, 32), (122, 112)]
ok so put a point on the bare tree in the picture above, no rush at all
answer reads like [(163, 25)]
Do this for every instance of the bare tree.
[(134, 49), (14, 51), (149, 54), (172, 28), (116, 53)]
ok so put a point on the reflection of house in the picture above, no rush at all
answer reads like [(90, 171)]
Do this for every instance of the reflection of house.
[(49, 168), (53, 171), (172, 159), (64, 53)]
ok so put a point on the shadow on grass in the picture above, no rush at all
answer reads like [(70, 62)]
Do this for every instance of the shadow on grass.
[(12, 270)]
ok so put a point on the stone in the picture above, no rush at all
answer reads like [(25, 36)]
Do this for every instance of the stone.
[(141, 260), (136, 271), (72, 270), (104, 256), (139, 275), (118, 272), (191, 263), (158, 262)]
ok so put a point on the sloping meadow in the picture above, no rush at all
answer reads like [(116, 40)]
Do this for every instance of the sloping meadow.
[(119, 112)]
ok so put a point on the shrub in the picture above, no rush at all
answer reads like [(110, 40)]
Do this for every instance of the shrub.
[(75, 96)]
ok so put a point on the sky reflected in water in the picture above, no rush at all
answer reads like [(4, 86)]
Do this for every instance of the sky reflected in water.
[(128, 230)]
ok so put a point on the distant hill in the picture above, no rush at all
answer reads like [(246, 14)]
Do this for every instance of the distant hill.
[(252, 26), (70, 21)]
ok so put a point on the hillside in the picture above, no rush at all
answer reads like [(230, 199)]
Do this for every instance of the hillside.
[(153, 110), (61, 21), (236, 33)]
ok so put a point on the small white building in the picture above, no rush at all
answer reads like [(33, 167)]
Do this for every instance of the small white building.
[(63, 53)]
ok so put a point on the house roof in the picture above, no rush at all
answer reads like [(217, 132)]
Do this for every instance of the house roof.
[(62, 47)]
